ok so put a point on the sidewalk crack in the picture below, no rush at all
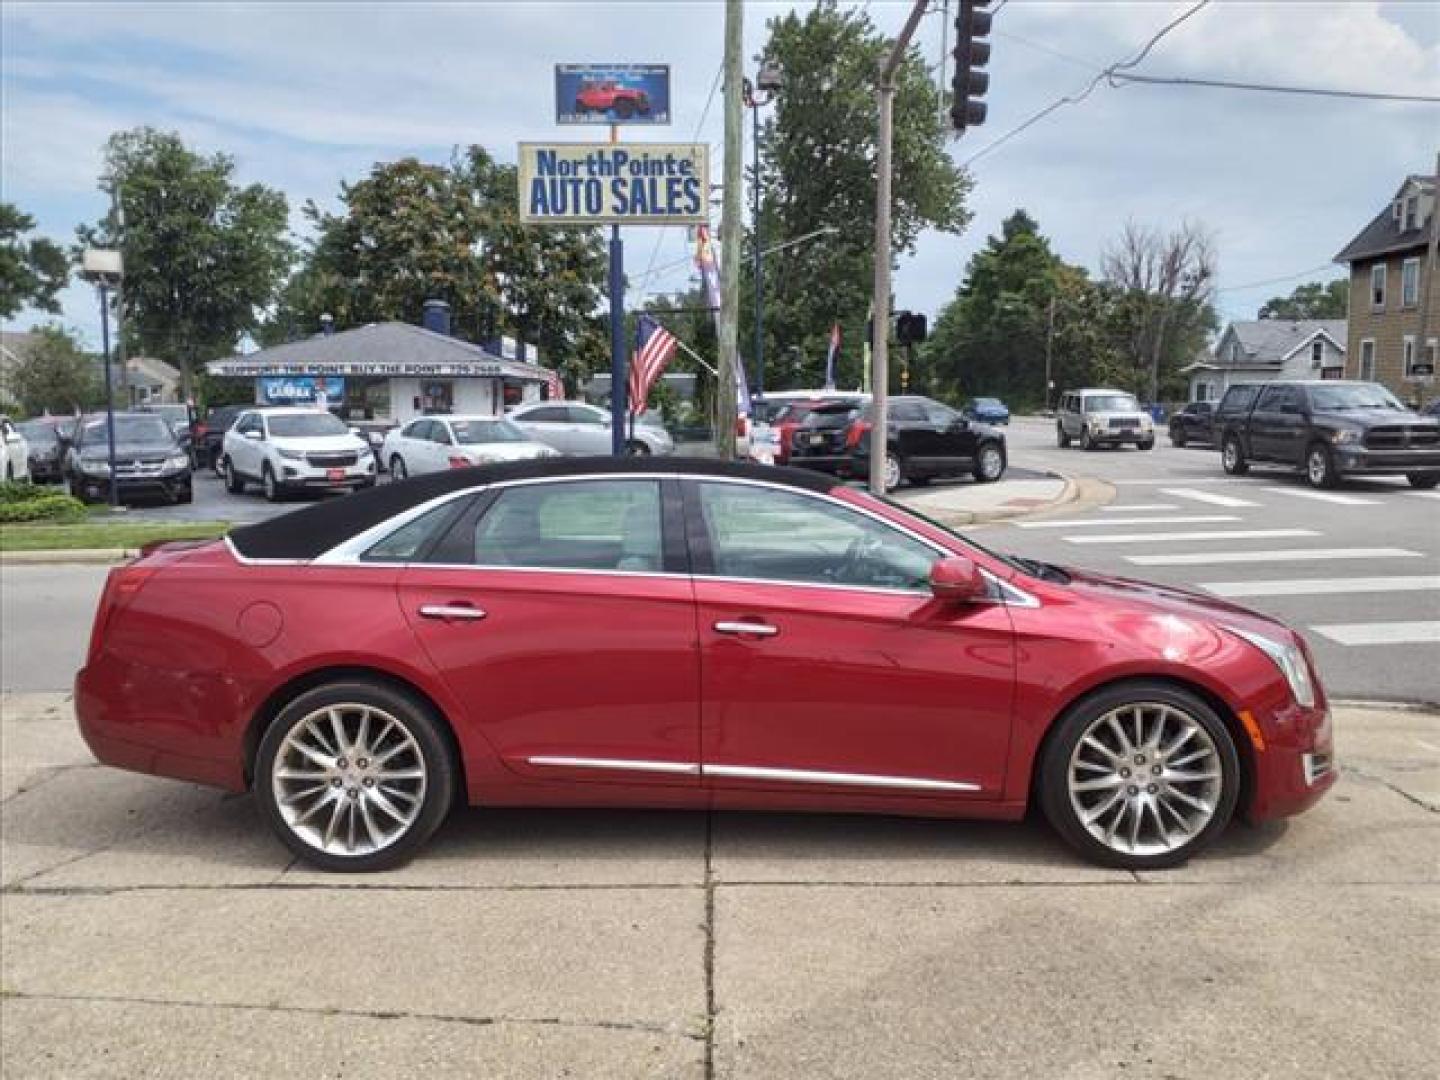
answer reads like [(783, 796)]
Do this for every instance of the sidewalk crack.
[(709, 945)]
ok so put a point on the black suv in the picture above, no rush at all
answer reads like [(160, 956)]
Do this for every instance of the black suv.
[(210, 434), (148, 459), (1329, 429), (1194, 423), (926, 440)]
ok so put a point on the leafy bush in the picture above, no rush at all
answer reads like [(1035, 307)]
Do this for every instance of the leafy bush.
[(47, 507), (18, 491)]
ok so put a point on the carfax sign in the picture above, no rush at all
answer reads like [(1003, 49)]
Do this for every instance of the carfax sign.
[(614, 183), (612, 93)]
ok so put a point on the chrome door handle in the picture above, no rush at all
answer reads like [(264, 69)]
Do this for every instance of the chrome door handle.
[(754, 629), (451, 611)]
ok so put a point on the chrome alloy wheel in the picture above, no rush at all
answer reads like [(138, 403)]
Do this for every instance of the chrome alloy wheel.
[(892, 472), (1145, 779), (1317, 467), (349, 779), (992, 463)]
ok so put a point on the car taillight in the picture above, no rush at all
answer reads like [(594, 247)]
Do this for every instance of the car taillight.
[(857, 430), (121, 587), (458, 462)]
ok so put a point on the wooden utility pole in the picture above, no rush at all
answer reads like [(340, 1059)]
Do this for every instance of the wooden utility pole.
[(880, 351), (725, 390), (1428, 283)]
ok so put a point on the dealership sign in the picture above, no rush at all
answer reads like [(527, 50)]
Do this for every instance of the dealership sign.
[(243, 369), (612, 93), (614, 183), (301, 390)]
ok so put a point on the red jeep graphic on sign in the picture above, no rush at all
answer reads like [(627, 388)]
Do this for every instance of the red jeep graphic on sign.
[(604, 96)]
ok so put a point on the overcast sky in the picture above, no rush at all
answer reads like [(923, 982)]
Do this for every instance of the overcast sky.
[(307, 95)]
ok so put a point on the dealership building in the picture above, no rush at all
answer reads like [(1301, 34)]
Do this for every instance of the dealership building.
[(390, 371)]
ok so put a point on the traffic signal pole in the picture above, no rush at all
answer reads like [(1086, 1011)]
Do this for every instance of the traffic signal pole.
[(880, 349)]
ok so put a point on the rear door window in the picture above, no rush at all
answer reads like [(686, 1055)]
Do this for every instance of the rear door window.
[(604, 525)]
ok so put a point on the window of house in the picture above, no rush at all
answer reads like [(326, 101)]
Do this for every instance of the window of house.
[(1367, 360), (1377, 287), (1427, 365), (1407, 355), (1234, 352), (1412, 207), (1317, 353), (1410, 282)]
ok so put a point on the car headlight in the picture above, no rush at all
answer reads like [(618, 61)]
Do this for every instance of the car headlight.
[(288, 454), (98, 466), (1345, 436), (1289, 659), (176, 461)]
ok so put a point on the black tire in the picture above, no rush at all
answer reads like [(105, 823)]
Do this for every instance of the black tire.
[(1177, 437), (1423, 481), (185, 496), (398, 471), (432, 754), (1146, 444), (894, 470), (636, 448), (271, 486), (1086, 442), (234, 482), (989, 463), (920, 481), (1232, 456), (1061, 437), (1320, 468), (1059, 804)]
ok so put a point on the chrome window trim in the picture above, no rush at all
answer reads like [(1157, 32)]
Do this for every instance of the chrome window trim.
[(246, 560), (755, 772)]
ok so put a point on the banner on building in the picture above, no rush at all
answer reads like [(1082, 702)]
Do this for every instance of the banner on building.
[(614, 183), (323, 390)]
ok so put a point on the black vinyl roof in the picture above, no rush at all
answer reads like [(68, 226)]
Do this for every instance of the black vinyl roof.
[(309, 533)]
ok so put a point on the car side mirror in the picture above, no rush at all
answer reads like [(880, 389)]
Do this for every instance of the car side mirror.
[(957, 579), (253, 436)]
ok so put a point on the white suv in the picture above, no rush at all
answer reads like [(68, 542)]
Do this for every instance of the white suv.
[(1097, 418), (293, 449)]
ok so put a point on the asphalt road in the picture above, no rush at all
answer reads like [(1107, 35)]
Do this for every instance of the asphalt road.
[(1356, 569)]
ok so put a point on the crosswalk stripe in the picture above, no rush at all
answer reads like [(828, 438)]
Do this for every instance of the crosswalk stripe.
[(1208, 497), (1325, 496), (1426, 494), (1212, 534), (1323, 586), (1199, 519), (1203, 558), (1381, 633), (1171, 480), (1135, 507)]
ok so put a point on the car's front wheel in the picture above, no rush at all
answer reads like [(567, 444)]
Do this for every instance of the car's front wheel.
[(355, 775), (273, 491), (636, 448), (397, 468), (990, 465), (1060, 437), (1320, 467), (234, 483), (1423, 481), (894, 471), (1177, 437), (1140, 776), (1087, 442), (1146, 444)]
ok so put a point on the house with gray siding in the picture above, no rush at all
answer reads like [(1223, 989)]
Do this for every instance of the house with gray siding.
[(1265, 349)]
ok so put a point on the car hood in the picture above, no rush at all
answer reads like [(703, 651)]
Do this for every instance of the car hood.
[(128, 451), (321, 444), (1149, 599), (1375, 417)]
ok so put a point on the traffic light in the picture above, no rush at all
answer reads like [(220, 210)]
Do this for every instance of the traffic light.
[(911, 327), (972, 52)]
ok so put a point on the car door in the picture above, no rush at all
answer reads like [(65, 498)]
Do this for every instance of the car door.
[(589, 430), (244, 449), (826, 662), (549, 424), (956, 435), (1292, 426), (917, 438), (439, 445), (560, 614), (1267, 423)]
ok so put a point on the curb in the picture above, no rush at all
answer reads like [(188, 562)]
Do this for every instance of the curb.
[(1080, 493), (71, 557)]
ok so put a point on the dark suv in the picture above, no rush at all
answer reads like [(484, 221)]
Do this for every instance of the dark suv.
[(210, 434), (926, 440), (1329, 430), (148, 459), (1194, 423)]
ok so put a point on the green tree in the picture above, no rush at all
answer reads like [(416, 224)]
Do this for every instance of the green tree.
[(32, 272), (817, 171), (1313, 300), (204, 256), (55, 375), (412, 231)]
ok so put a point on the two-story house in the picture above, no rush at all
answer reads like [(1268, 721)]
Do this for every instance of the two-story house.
[(1390, 277), (1259, 349)]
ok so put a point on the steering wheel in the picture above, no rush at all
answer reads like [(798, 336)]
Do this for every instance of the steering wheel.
[(851, 568)]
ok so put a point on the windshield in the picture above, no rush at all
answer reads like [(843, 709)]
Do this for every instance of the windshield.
[(38, 434), (470, 432), (302, 425), (1353, 396), (1112, 403), (129, 429)]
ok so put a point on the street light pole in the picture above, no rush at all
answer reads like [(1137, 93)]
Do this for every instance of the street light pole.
[(109, 390), (758, 94)]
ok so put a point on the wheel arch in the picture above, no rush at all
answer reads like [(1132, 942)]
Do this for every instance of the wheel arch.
[(283, 694), (1244, 748)]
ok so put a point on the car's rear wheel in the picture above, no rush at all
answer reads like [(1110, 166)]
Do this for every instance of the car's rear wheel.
[(636, 448), (1146, 444), (1177, 437), (894, 471), (1140, 776), (1423, 481), (397, 468), (1060, 437), (355, 776), (1232, 457), (1086, 441), (1320, 467), (990, 465)]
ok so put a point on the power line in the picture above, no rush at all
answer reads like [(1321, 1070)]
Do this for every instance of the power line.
[(1278, 280), (1117, 80), (1081, 95)]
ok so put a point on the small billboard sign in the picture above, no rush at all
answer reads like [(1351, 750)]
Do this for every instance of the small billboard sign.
[(322, 390), (614, 183), (612, 93)]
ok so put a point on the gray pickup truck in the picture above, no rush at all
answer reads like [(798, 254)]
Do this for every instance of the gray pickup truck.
[(1329, 430)]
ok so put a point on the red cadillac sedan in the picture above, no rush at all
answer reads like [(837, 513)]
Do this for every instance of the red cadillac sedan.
[(597, 632)]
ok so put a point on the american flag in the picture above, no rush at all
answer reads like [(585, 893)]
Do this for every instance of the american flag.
[(554, 388), (654, 346)]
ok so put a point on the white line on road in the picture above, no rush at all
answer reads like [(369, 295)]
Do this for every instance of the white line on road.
[(1426, 494), (1200, 519), (1208, 497), (1204, 558), (1212, 534), (1171, 480), (1381, 633), (1325, 496), (1133, 507), (1323, 586)]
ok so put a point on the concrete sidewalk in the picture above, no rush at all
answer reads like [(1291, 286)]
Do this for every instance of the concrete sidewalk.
[(152, 928)]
